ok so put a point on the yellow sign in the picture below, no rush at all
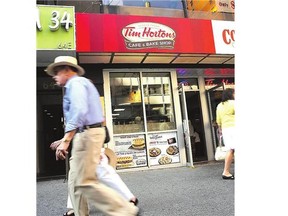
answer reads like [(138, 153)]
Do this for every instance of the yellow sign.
[(201, 5), (55, 27)]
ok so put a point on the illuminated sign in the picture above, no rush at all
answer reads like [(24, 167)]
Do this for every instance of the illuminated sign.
[(55, 27), (148, 35), (128, 33)]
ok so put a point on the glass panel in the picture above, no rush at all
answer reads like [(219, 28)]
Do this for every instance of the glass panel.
[(127, 109), (173, 4), (189, 83), (214, 87), (158, 101)]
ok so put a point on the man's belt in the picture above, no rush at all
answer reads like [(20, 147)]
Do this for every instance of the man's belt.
[(80, 130)]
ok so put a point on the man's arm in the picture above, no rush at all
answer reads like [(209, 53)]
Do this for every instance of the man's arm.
[(61, 150)]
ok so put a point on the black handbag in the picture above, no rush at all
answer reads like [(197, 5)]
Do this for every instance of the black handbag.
[(107, 135)]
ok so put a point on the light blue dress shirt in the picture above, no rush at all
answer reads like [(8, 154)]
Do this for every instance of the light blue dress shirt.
[(81, 103)]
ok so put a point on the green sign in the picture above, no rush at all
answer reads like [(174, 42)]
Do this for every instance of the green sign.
[(55, 26)]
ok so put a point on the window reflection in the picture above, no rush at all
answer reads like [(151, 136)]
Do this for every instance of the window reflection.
[(173, 4), (158, 101), (112, 2), (128, 104), (127, 110)]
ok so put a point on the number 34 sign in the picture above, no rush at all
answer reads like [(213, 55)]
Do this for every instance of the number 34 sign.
[(55, 26)]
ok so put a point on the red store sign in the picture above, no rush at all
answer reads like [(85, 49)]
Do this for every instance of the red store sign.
[(123, 33)]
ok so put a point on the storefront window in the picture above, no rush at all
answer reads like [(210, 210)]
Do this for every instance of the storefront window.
[(142, 102), (127, 103), (127, 108), (158, 101)]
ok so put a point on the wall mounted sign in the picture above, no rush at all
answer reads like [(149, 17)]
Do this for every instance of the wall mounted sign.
[(148, 35), (142, 34), (55, 27), (224, 36), (225, 6)]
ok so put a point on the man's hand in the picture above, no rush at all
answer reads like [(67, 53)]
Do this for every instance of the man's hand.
[(62, 145), (55, 144), (61, 150)]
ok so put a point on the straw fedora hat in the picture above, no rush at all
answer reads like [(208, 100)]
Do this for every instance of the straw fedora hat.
[(111, 156), (64, 60)]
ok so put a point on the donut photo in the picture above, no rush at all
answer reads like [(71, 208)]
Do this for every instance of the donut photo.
[(154, 152), (165, 160), (172, 150)]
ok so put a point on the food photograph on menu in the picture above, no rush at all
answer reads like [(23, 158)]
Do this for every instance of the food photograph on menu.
[(163, 149), (130, 151)]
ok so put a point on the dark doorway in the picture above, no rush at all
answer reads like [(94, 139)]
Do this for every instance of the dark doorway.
[(49, 129), (197, 135), (53, 127)]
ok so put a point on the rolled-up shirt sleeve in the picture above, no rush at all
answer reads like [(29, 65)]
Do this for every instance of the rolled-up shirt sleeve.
[(76, 105)]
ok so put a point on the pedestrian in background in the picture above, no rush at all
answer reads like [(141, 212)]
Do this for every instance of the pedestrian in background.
[(83, 115), (225, 118)]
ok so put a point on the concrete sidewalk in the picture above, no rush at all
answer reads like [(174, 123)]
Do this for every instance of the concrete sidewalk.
[(182, 191)]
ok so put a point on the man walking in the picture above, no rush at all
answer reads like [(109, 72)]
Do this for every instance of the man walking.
[(83, 115)]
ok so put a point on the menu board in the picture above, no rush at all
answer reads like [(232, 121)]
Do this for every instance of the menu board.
[(130, 151), (163, 148)]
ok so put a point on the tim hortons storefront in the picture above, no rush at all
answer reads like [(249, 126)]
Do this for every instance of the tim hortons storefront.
[(149, 64), (157, 77)]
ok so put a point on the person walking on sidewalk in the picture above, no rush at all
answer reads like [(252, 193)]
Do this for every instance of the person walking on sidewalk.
[(225, 118), (106, 174), (83, 115)]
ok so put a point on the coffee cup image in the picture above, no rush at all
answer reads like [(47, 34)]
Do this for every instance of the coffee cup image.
[(171, 140)]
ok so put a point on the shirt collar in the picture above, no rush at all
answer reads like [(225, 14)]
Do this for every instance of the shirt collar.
[(69, 80)]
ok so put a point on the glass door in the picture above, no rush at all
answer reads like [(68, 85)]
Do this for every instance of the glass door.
[(188, 147), (193, 126), (214, 97)]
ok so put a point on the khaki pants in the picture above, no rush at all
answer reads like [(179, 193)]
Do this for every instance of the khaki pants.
[(83, 183)]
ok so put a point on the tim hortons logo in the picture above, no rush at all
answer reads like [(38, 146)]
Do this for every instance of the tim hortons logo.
[(143, 35)]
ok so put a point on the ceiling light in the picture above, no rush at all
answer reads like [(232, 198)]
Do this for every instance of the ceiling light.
[(118, 110), (124, 104)]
